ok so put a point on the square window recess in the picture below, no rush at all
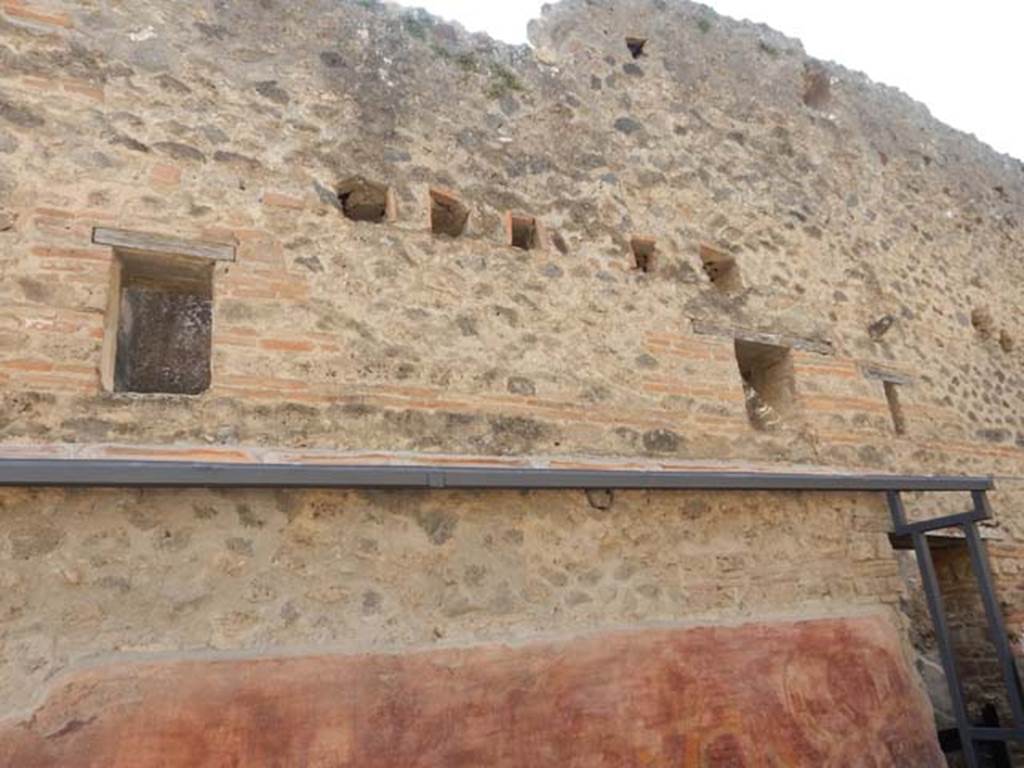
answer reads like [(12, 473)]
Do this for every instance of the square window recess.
[(447, 215), (523, 232), (768, 382), (363, 200), (157, 332), (159, 324), (644, 250), (721, 269)]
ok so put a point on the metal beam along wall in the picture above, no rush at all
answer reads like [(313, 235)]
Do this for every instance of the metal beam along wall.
[(170, 474)]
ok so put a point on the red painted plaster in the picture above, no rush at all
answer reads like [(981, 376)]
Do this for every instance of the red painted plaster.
[(817, 693)]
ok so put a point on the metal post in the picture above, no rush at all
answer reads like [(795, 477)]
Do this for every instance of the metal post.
[(996, 626), (935, 607), (896, 510)]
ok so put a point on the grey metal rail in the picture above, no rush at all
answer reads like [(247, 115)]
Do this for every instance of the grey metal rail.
[(170, 474)]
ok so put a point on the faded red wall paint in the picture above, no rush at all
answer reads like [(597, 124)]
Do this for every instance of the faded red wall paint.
[(817, 693)]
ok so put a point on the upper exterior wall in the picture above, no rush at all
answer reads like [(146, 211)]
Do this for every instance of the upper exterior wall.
[(234, 123)]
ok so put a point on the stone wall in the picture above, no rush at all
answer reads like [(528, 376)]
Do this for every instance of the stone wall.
[(866, 235), (709, 186), (87, 574)]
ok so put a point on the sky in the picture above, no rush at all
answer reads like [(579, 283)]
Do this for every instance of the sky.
[(965, 61)]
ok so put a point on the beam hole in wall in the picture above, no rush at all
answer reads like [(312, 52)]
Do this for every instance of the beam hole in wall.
[(162, 323), (447, 215), (523, 232), (768, 382), (817, 86), (983, 322), (636, 46), (892, 397), (721, 269), (363, 200), (644, 250)]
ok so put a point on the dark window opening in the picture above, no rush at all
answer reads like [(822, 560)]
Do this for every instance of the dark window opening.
[(721, 269), (636, 46), (523, 232), (363, 200), (892, 396), (644, 250), (163, 324), (768, 382), (447, 215)]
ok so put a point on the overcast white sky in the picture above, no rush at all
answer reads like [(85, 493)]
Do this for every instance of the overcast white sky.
[(965, 60)]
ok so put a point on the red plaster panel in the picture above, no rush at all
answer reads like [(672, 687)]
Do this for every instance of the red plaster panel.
[(817, 693)]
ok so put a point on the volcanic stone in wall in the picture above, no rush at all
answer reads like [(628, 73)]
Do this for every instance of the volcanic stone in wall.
[(163, 342)]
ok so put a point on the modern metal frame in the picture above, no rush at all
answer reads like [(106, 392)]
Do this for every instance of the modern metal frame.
[(967, 523), (174, 474)]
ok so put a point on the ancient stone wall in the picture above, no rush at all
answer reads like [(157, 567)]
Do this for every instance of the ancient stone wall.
[(161, 571), (658, 238), (866, 236)]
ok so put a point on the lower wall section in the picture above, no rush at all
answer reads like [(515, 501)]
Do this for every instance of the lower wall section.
[(93, 572), (834, 692)]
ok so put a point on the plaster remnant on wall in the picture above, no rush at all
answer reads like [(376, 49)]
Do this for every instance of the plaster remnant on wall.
[(146, 33)]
